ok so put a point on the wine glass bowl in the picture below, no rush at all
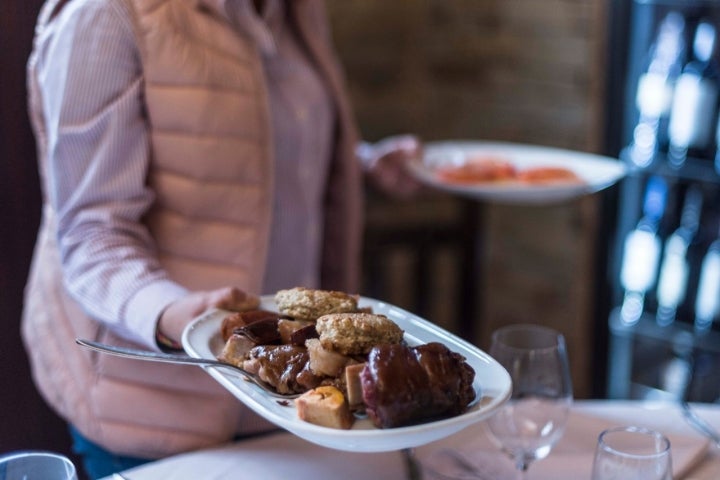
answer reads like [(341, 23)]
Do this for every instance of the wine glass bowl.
[(533, 420)]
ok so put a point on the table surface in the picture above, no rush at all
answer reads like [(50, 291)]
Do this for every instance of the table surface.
[(282, 455)]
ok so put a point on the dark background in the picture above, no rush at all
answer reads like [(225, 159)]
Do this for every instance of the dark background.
[(27, 422)]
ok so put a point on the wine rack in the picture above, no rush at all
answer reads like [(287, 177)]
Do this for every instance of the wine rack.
[(648, 359), (653, 354)]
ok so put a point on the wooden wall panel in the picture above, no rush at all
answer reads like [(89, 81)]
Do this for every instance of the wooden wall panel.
[(527, 71)]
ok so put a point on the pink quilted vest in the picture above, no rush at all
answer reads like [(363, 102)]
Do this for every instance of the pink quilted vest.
[(210, 147)]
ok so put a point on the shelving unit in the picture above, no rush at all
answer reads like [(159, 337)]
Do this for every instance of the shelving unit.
[(646, 359)]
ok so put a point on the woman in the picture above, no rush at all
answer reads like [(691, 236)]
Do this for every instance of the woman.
[(193, 153)]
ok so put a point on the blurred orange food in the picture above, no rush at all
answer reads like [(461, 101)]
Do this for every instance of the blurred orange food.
[(497, 170), (548, 175), (478, 170)]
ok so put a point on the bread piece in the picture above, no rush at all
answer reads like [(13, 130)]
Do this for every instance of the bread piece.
[(325, 406), (356, 333), (308, 304)]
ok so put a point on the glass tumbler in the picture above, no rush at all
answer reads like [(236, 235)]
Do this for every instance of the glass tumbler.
[(632, 452), (36, 465)]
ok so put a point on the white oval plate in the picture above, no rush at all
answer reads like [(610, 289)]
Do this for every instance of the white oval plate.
[(492, 384), (597, 172)]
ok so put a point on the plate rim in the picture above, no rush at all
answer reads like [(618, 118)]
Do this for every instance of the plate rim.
[(357, 439)]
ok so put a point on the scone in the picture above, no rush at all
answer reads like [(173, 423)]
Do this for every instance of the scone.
[(356, 333), (308, 304)]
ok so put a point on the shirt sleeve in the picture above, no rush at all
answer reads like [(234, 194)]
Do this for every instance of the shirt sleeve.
[(91, 81)]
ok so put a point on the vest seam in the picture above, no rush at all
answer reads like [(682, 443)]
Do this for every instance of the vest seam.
[(185, 133), (236, 183), (200, 136), (207, 220), (198, 86), (228, 264)]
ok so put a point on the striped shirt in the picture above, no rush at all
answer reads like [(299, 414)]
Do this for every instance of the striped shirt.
[(98, 152)]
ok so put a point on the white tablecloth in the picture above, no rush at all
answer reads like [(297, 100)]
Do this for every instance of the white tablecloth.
[(283, 456)]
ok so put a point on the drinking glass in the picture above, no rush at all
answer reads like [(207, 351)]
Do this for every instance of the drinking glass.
[(36, 465), (632, 452), (533, 420)]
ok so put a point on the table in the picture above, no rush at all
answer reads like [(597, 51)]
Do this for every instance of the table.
[(282, 455)]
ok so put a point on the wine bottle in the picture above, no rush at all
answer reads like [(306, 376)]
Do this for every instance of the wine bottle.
[(707, 300), (653, 96), (694, 108), (641, 252), (674, 271)]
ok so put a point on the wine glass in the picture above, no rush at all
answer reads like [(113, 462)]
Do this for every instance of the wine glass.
[(533, 420), (36, 465), (632, 452)]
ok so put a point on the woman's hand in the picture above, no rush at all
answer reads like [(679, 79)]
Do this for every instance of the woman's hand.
[(386, 164), (178, 314)]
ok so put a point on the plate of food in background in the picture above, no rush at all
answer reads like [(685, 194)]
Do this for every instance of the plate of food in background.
[(370, 376), (514, 173)]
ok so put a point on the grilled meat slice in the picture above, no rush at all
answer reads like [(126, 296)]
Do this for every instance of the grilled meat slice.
[(404, 385)]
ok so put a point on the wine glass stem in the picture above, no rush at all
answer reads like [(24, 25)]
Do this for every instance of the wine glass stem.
[(522, 467), (412, 467)]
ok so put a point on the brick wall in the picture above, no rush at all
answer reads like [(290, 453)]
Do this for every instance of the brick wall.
[(528, 71)]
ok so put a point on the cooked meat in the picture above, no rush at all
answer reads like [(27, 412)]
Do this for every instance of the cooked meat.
[(236, 350), (404, 385), (262, 332), (302, 335), (241, 319), (281, 366), (307, 379), (322, 339), (296, 332), (325, 362), (308, 304), (356, 333)]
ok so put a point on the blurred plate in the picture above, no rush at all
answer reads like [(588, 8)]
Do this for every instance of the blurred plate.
[(595, 171), (492, 385)]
